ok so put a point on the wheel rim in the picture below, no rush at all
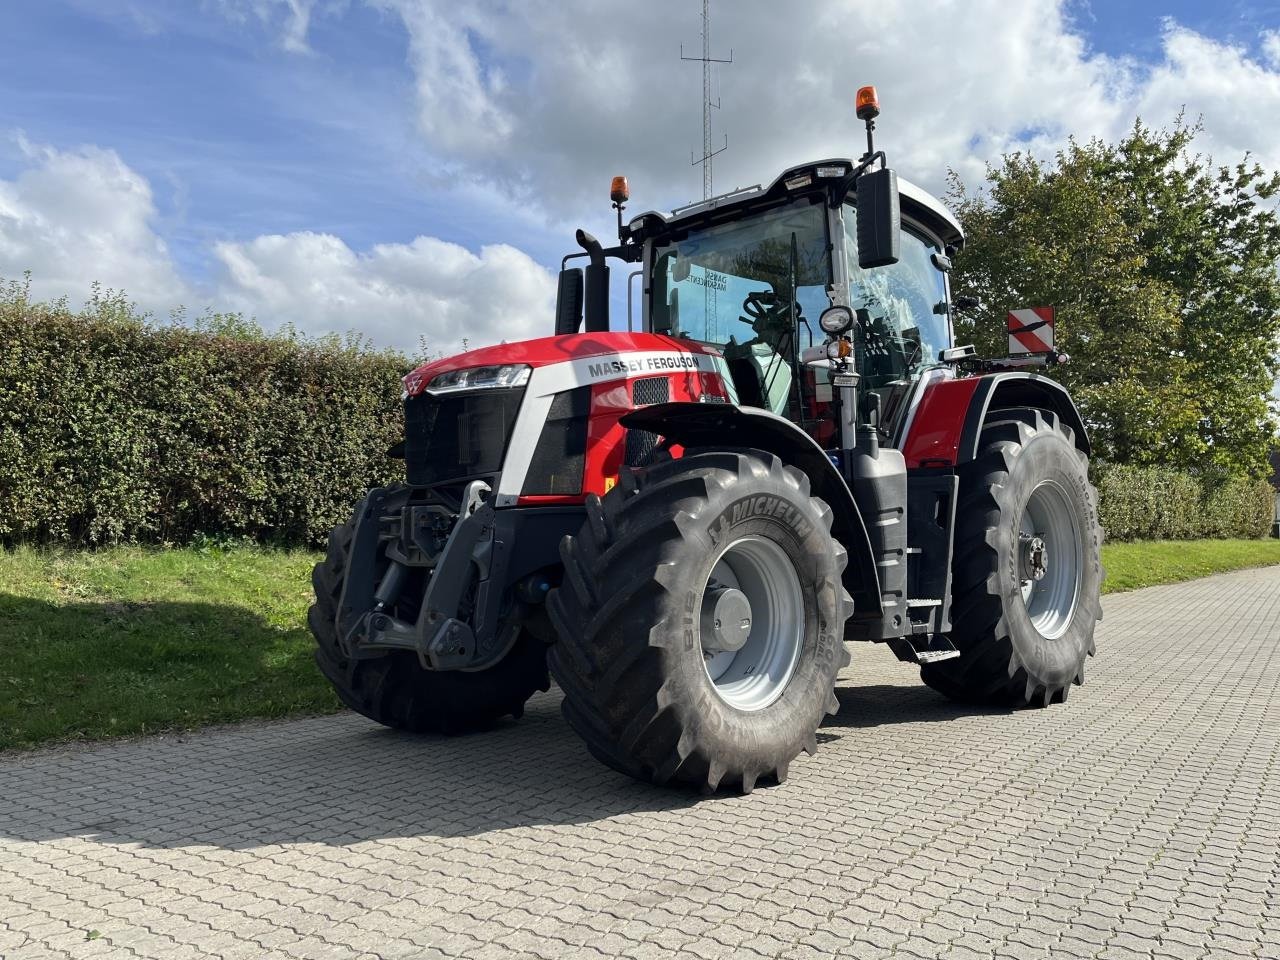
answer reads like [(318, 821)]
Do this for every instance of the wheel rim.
[(1050, 557), (749, 664)]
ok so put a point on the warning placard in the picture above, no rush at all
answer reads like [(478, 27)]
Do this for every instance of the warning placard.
[(1031, 330)]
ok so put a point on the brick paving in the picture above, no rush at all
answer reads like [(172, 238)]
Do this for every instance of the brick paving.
[(1139, 820)]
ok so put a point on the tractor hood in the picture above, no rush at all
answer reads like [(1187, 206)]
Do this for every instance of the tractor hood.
[(546, 351)]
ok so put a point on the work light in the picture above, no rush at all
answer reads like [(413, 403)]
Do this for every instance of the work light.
[(836, 320)]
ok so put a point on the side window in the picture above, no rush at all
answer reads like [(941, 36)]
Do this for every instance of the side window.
[(902, 309)]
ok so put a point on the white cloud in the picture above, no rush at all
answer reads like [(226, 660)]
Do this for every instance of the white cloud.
[(299, 21), (559, 97), (595, 89), (1271, 47), (291, 17), (553, 99), (464, 105), (395, 293), (73, 217), (1238, 97)]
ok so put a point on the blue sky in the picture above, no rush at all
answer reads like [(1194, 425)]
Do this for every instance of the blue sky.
[(407, 167), (236, 139), (1133, 29)]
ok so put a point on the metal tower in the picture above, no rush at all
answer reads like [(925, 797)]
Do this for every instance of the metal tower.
[(707, 60)]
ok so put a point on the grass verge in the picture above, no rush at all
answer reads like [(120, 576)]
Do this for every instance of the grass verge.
[(133, 640), (1130, 566)]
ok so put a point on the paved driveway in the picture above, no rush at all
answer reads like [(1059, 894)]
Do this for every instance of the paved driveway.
[(1140, 819)]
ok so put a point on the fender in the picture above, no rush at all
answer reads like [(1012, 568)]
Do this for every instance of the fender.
[(948, 424), (725, 425)]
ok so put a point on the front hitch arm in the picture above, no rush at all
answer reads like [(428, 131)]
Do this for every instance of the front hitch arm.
[(365, 624)]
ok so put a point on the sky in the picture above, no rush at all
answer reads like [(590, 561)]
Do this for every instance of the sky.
[(413, 170)]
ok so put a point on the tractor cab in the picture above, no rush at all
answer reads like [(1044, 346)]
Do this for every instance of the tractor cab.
[(752, 275), (832, 252)]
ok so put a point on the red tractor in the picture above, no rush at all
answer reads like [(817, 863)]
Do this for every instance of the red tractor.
[(688, 522)]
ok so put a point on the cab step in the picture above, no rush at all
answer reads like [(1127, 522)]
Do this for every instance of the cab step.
[(923, 649)]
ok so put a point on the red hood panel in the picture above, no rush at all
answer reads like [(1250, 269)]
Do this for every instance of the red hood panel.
[(548, 350)]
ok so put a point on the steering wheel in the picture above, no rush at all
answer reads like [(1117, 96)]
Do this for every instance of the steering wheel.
[(759, 306)]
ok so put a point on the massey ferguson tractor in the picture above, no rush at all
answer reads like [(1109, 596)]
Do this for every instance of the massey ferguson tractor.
[(689, 521)]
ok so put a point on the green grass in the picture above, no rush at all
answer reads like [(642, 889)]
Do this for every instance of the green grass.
[(133, 640), (1147, 563)]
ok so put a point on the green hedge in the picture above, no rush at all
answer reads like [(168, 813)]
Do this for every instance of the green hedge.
[(115, 429), (1153, 503)]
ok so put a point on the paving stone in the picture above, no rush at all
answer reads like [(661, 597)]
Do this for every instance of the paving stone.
[(1138, 820)]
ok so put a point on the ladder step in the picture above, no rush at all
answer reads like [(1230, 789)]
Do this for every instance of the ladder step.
[(924, 603), (923, 649), (936, 656)]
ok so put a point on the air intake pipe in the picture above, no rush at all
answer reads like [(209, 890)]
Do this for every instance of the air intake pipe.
[(596, 297)]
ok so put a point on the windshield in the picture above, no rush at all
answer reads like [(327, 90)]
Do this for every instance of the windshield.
[(747, 287)]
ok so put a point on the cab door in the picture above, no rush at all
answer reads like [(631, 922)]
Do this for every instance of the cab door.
[(903, 318)]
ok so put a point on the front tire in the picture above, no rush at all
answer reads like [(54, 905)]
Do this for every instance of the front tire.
[(1027, 570), (700, 621), (394, 689)]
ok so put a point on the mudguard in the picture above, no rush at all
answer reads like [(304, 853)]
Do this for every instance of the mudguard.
[(945, 429), (726, 425)]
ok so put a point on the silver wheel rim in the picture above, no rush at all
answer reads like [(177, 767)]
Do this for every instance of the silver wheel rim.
[(750, 665), (1049, 559)]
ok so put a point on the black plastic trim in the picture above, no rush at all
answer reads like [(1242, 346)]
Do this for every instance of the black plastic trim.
[(1002, 391)]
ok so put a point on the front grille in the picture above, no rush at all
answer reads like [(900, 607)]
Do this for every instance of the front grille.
[(561, 454), (640, 448), (641, 443), (651, 390), (458, 435)]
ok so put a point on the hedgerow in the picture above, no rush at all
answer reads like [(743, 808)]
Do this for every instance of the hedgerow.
[(1157, 503), (115, 428)]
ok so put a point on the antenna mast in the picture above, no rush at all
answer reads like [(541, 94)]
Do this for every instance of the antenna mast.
[(707, 60)]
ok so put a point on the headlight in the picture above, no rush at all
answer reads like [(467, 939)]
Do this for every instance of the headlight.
[(836, 320), (475, 378)]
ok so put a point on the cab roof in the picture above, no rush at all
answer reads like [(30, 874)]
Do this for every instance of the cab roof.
[(917, 204)]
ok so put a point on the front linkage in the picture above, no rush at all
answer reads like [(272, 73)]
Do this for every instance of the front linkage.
[(394, 537)]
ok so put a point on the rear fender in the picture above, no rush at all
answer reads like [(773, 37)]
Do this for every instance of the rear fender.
[(946, 429), (726, 425)]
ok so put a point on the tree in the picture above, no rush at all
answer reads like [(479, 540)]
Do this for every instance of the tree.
[(1163, 269)]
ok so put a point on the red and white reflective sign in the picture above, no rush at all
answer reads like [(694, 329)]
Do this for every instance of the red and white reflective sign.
[(1031, 330)]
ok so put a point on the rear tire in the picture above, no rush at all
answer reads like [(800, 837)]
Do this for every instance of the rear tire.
[(1023, 641), (721, 528), (395, 690)]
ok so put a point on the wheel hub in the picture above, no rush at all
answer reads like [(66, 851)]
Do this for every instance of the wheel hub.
[(726, 618), (1050, 591), (1034, 559), (751, 623)]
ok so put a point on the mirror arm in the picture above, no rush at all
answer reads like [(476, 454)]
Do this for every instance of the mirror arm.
[(626, 252), (840, 188)]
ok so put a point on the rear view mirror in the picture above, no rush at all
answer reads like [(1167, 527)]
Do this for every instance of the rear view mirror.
[(680, 269), (879, 219), (569, 301)]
